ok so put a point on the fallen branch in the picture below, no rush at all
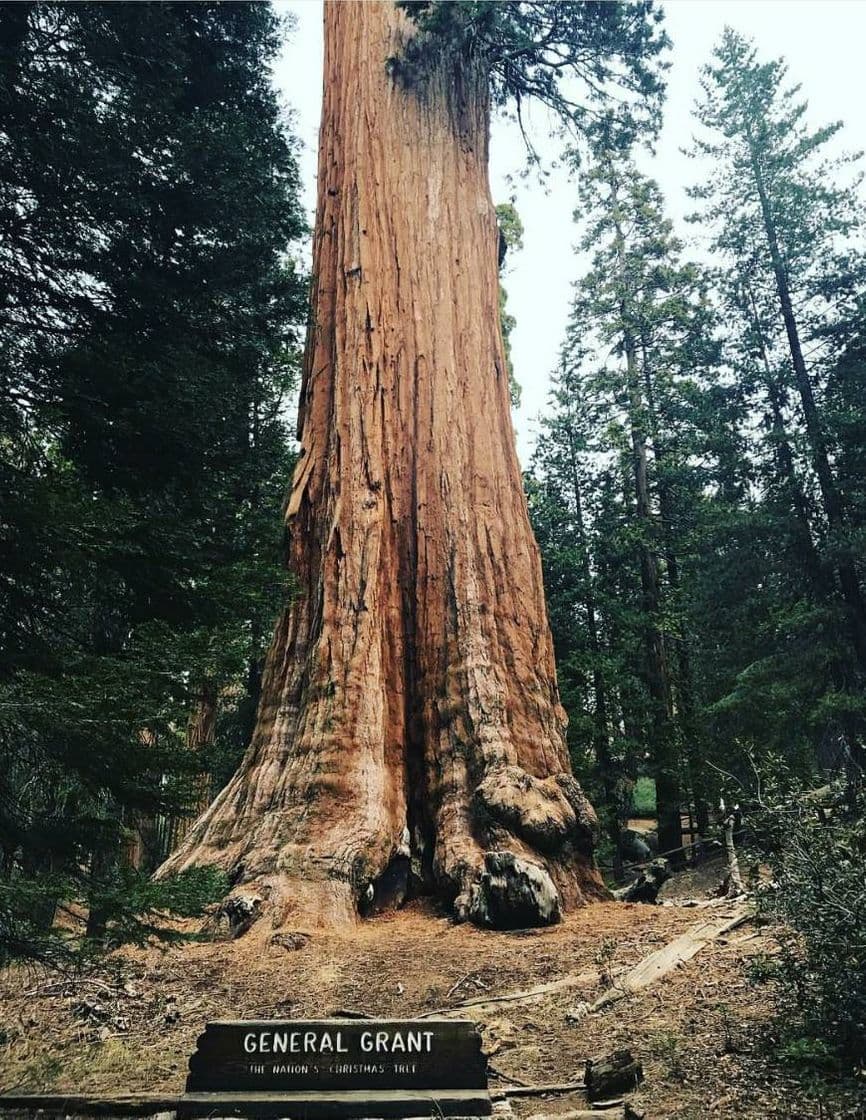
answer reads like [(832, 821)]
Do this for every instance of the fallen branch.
[(536, 1090), (665, 960), (454, 987), (681, 949), (614, 1112), (507, 1077), (527, 995)]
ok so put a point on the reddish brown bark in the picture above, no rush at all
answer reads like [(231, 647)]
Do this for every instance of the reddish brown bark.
[(409, 706), (199, 736)]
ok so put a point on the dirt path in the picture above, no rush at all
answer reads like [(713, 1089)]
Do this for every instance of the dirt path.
[(698, 1030)]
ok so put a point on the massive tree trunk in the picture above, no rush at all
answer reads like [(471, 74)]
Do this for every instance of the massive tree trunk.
[(410, 730)]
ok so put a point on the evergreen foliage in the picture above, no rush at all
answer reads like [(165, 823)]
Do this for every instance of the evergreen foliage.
[(583, 61), (712, 622), (787, 233), (698, 488), (628, 411), (815, 843), (149, 328), (511, 241)]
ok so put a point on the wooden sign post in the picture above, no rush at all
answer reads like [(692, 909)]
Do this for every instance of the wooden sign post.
[(337, 1068)]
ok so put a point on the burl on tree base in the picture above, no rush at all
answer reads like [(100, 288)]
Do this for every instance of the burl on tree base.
[(410, 735)]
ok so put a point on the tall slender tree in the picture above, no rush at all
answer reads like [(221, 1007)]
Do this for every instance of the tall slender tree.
[(558, 507), (781, 215), (640, 332)]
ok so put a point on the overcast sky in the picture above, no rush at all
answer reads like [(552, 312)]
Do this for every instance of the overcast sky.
[(824, 43)]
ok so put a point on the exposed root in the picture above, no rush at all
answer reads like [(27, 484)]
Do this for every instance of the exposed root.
[(512, 893)]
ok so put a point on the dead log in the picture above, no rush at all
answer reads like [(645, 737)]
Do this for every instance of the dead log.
[(482, 1004), (647, 885), (613, 1073), (658, 964), (537, 1090), (613, 1113)]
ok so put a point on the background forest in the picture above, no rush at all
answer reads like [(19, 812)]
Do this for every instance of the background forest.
[(698, 487)]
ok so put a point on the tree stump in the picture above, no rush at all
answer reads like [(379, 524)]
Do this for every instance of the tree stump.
[(611, 1074), (647, 885)]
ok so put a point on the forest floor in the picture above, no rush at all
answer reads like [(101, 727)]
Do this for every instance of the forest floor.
[(707, 1036)]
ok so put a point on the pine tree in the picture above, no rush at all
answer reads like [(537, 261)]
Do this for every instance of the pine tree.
[(639, 333), (789, 229), (559, 491), (149, 195)]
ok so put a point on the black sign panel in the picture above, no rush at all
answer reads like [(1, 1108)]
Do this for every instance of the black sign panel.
[(337, 1055)]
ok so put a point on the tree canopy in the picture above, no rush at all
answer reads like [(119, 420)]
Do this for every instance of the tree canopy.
[(149, 328), (583, 61)]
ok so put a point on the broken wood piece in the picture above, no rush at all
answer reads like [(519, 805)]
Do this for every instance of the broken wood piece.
[(455, 986), (734, 881), (509, 1078), (665, 960), (478, 1004), (583, 1114), (613, 1073), (647, 885), (537, 1090)]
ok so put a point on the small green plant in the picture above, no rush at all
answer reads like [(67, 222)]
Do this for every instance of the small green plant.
[(665, 1045), (134, 906), (643, 801), (762, 969), (604, 959), (133, 909), (39, 1073), (805, 1051)]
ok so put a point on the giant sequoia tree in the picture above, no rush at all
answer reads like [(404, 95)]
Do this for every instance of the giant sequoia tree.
[(410, 729)]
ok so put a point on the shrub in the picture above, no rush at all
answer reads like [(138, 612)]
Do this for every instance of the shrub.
[(133, 909), (643, 800), (816, 848)]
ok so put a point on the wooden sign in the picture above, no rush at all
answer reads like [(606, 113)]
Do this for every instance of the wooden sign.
[(338, 1068)]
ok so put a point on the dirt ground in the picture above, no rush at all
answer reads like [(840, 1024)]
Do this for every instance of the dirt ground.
[(705, 1034)]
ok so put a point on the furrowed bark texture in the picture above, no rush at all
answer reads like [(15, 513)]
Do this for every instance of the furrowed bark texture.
[(410, 729)]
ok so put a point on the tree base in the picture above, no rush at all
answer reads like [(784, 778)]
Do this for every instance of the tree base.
[(508, 892), (516, 854)]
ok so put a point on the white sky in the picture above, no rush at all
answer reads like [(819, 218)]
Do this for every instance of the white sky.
[(824, 43)]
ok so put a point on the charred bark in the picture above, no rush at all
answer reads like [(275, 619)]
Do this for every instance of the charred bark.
[(409, 728)]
